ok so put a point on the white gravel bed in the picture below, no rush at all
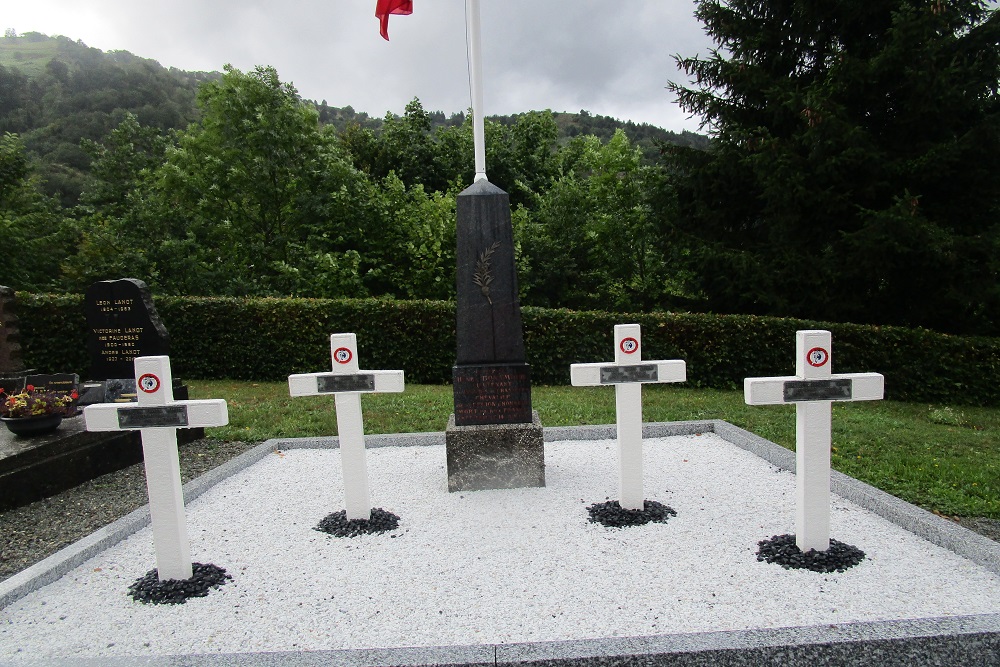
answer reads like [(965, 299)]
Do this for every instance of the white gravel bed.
[(492, 566)]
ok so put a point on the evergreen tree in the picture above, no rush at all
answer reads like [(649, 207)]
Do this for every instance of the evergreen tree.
[(855, 167)]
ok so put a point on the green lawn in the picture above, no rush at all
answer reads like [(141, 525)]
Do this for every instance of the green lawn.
[(943, 458)]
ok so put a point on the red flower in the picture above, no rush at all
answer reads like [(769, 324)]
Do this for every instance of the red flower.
[(74, 395), (30, 387)]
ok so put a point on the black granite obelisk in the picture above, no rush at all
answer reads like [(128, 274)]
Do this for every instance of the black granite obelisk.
[(494, 439)]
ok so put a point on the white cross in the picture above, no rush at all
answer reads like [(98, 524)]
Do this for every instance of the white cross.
[(157, 416), (813, 388), (347, 384), (627, 374)]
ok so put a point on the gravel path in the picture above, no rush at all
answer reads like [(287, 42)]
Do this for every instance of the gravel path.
[(35, 531), (38, 530)]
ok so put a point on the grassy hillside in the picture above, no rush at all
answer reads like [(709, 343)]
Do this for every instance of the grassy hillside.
[(29, 53), (55, 92)]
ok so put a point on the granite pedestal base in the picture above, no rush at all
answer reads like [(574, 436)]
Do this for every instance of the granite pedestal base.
[(495, 456)]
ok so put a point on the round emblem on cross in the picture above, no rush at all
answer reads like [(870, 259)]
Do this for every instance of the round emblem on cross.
[(343, 355), (629, 345), (148, 383), (817, 357)]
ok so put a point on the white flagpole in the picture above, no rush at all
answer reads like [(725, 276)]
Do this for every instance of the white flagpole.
[(476, 75)]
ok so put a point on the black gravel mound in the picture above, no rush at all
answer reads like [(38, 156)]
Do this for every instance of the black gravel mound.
[(151, 590), (612, 514), (336, 524), (781, 549)]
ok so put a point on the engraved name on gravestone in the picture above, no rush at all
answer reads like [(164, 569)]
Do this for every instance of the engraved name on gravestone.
[(10, 345), (122, 324)]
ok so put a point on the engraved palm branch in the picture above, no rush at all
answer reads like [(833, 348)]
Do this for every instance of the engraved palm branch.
[(483, 276)]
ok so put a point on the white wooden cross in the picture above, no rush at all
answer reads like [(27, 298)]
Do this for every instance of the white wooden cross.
[(627, 374), (813, 388), (347, 384), (157, 416)]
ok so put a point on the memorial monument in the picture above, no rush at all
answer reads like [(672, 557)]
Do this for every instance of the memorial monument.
[(494, 438)]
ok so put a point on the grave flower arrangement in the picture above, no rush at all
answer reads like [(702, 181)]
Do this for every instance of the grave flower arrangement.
[(31, 403)]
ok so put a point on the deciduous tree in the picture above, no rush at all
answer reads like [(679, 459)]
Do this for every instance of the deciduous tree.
[(35, 235), (259, 183)]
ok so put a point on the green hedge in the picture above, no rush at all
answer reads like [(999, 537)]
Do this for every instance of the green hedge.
[(267, 339)]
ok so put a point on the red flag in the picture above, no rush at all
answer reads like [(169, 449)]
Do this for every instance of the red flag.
[(386, 7)]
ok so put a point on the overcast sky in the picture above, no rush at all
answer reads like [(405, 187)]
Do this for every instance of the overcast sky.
[(610, 57)]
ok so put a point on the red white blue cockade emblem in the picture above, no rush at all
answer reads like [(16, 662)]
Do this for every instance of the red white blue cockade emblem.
[(343, 355), (148, 383), (629, 345), (817, 357)]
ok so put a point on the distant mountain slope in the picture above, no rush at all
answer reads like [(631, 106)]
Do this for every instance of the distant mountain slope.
[(646, 136), (55, 92)]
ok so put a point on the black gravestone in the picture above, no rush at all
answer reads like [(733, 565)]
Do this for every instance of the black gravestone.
[(64, 382), (494, 440), (122, 324), (10, 345)]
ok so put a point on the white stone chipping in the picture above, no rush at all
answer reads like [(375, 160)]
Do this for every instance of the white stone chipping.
[(492, 566)]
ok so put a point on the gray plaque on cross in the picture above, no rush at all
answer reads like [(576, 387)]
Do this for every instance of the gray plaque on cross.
[(332, 384), (170, 416), (635, 373), (797, 391)]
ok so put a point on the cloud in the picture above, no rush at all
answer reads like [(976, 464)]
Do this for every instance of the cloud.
[(609, 57)]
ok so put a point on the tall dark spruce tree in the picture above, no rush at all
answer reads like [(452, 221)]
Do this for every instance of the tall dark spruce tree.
[(855, 167)]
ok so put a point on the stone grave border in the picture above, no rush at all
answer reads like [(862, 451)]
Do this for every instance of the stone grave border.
[(902, 643)]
